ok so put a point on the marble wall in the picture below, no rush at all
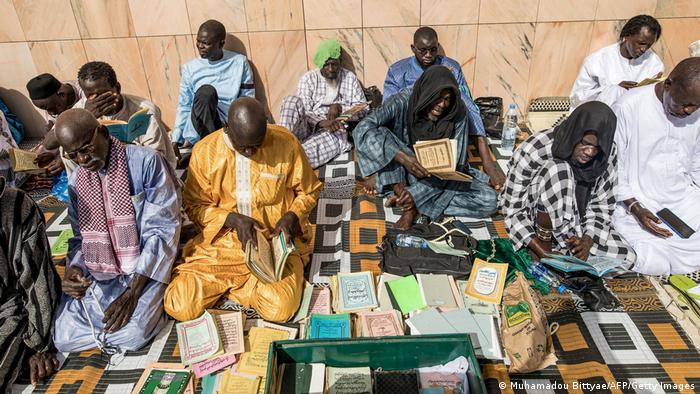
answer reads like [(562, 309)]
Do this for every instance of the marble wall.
[(517, 49)]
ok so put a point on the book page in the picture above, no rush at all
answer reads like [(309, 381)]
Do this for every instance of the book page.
[(239, 383), (230, 328), (435, 156), (255, 361), (23, 161), (320, 301), (198, 339)]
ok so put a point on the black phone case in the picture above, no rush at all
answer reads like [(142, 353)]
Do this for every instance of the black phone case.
[(675, 223)]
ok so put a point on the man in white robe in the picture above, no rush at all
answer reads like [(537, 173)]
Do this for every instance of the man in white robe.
[(658, 140), (609, 72)]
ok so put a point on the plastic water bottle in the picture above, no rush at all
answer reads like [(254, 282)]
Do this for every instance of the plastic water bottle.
[(539, 271), (410, 241), (510, 126)]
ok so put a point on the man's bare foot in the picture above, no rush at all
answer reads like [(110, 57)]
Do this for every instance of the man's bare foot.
[(405, 222), (369, 185)]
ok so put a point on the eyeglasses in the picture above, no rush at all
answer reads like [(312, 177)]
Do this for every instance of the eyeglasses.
[(85, 150)]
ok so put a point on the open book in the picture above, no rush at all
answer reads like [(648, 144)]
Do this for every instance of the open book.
[(595, 265), (649, 81), (352, 111), (131, 130), (214, 333), (23, 161), (439, 157), (268, 261)]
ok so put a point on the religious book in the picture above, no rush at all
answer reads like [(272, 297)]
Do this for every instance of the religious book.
[(429, 321), (254, 362), (381, 323), (355, 291), (459, 298), (213, 364), (163, 367), (59, 247), (301, 378), (320, 301), (348, 380), (229, 325), (166, 381), (383, 294), (649, 81), (436, 290), (404, 382), (198, 339), (352, 111), (303, 310), (291, 331), (486, 281), (595, 265), (131, 130), (474, 305), (439, 157), (328, 326), (23, 161), (233, 382), (405, 293), (267, 262)]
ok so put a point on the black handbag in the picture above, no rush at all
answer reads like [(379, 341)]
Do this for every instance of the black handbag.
[(491, 109), (404, 261)]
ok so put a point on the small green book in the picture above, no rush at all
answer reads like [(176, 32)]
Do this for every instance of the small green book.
[(406, 292), (60, 245), (166, 381)]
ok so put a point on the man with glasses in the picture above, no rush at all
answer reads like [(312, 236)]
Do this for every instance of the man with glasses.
[(247, 178), (404, 73), (322, 96), (125, 215)]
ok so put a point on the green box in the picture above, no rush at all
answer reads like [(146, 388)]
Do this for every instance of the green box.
[(389, 353)]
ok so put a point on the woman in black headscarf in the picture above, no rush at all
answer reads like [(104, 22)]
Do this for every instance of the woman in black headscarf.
[(384, 140), (558, 194)]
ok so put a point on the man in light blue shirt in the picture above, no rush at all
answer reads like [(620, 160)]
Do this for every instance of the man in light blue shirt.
[(209, 85), (404, 73)]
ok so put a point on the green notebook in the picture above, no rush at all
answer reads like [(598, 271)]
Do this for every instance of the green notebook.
[(166, 381), (60, 245), (406, 292)]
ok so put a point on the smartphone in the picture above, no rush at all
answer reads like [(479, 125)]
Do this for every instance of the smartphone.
[(675, 223)]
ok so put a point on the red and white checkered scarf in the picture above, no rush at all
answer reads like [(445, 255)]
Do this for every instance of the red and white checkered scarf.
[(106, 216)]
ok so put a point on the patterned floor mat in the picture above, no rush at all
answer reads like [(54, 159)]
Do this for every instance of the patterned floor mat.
[(637, 348)]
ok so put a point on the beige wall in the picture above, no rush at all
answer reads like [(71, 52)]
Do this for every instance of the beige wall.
[(517, 49)]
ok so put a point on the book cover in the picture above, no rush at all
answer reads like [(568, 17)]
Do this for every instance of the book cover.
[(383, 294), (348, 380), (291, 331), (381, 323), (406, 293), (356, 291), (254, 362), (295, 378), (486, 281), (198, 339), (328, 326), (436, 290), (320, 301), (129, 131), (458, 296), (429, 321), (404, 382), (318, 378), (174, 367), (232, 382), (166, 381), (474, 305), (59, 247), (303, 310)]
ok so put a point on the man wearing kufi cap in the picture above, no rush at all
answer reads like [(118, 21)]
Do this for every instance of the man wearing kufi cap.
[(322, 96)]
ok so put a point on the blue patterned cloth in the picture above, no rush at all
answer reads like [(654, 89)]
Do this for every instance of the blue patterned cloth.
[(404, 73)]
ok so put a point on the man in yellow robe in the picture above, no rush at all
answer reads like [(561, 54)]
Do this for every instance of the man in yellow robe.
[(247, 176)]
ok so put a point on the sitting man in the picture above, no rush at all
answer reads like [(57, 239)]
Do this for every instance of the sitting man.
[(323, 95), (404, 73), (104, 99), (29, 290), (431, 110), (52, 96), (125, 215), (658, 138), (559, 194), (608, 72), (209, 85), (249, 176)]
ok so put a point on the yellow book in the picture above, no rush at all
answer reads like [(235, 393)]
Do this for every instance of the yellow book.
[(486, 281), (23, 161), (268, 261), (254, 362), (237, 383), (439, 157)]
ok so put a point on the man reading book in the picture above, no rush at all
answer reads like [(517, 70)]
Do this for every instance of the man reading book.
[(322, 96), (431, 110), (247, 177), (29, 290), (104, 99), (658, 137), (125, 216)]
